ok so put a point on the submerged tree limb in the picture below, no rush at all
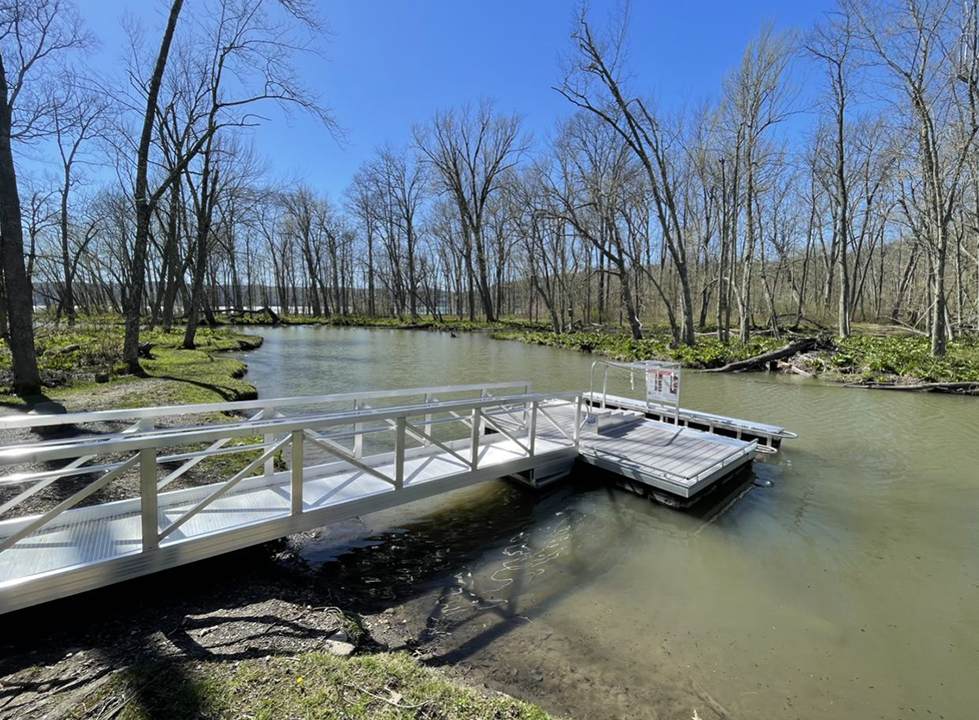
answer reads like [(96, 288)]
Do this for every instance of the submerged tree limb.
[(964, 388)]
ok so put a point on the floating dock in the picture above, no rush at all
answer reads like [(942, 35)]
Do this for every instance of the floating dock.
[(680, 461), (309, 462)]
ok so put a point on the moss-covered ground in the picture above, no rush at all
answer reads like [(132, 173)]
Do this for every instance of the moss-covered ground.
[(70, 360), (707, 353), (885, 357), (387, 686)]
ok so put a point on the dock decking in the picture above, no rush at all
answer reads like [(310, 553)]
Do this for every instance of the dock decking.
[(679, 460), (768, 436)]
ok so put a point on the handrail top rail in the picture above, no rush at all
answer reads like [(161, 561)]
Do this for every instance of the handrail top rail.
[(26, 420), (618, 363), (636, 364), (169, 437)]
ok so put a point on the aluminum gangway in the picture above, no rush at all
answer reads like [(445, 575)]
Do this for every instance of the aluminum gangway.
[(112, 495), (308, 462)]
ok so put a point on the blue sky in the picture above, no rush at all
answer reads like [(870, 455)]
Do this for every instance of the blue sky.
[(391, 63)]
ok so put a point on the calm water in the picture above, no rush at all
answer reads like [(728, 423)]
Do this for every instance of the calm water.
[(850, 588)]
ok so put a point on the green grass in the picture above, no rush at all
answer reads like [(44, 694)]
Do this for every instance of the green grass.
[(881, 357), (707, 353), (311, 686), (70, 359), (875, 357)]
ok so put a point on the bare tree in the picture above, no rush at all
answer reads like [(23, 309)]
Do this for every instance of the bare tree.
[(471, 150), (257, 50), (832, 42), (593, 193), (145, 203), (930, 50), (594, 82), (33, 34), (757, 98), (78, 119)]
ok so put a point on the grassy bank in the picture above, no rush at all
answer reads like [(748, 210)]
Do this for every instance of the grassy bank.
[(707, 353), (862, 357), (310, 685), (889, 358), (72, 362), (423, 322)]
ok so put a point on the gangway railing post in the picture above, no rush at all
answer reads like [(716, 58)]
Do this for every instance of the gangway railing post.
[(577, 420), (267, 414), (358, 434), (428, 420), (400, 436), (474, 438), (532, 427), (296, 483), (148, 499)]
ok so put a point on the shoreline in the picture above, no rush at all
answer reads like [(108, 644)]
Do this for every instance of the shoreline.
[(874, 357)]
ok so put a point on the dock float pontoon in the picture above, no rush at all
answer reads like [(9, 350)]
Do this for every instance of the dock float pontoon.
[(309, 462)]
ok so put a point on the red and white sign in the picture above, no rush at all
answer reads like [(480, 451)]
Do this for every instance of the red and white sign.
[(663, 385)]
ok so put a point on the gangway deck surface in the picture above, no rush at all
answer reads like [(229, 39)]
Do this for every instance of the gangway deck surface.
[(113, 530), (74, 547)]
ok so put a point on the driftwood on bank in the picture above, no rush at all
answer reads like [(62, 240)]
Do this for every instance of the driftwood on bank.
[(964, 388), (794, 369), (786, 351)]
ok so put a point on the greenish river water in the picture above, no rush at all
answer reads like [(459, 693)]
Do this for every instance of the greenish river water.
[(849, 588)]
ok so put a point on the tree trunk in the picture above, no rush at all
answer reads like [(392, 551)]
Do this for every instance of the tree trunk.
[(200, 265), (67, 294), (134, 297), (939, 328), (17, 284)]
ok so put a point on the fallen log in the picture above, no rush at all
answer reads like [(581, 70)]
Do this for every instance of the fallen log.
[(786, 351), (962, 388)]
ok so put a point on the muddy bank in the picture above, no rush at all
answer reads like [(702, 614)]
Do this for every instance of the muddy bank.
[(264, 602)]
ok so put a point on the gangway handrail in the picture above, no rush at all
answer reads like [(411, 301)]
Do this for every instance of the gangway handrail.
[(287, 433), (99, 440), (631, 366), (100, 444), (72, 469), (26, 420)]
